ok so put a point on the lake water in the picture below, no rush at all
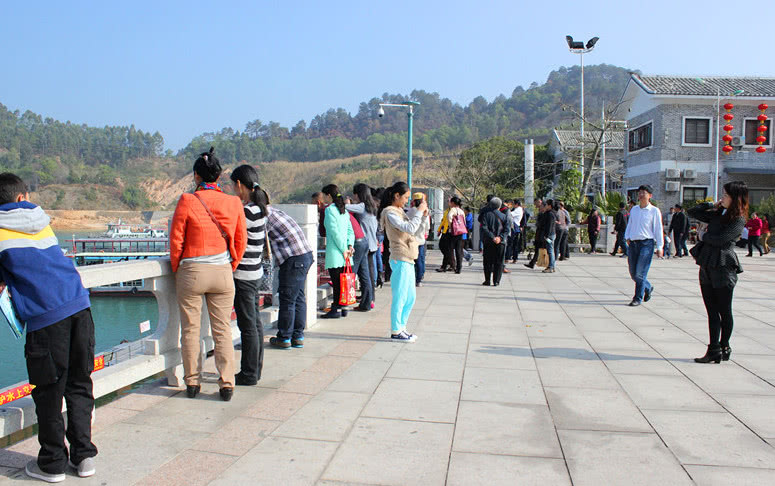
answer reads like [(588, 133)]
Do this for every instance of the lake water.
[(116, 318)]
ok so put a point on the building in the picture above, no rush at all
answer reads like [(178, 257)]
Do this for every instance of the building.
[(672, 136), (565, 145)]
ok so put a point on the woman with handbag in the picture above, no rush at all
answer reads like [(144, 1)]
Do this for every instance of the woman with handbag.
[(719, 266), (247, 277), (207, 241), (453, 227), (403, 252), (339, 244)]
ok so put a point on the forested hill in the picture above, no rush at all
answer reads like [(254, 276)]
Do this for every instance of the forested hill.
[(46, 151), (440, 125)]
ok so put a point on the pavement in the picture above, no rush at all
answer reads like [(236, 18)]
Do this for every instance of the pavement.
[(548, 379)]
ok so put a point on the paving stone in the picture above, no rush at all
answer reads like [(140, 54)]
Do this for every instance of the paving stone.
[(420, 365), (362, 377), (190, 468), (328, 416), (573, 373), (500, 356), (667, 393), (430, 401), (594, 409), (502, 385), (466, 469), (724, 476)]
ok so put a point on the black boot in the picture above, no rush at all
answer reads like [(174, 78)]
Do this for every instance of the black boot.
[(726, 352), (713, 354)]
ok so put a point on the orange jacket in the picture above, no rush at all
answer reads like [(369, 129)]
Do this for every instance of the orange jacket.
[(193, 232)]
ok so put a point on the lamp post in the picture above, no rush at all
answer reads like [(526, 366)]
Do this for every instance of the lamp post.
[(718, 129), (581, 49), (410, 114)]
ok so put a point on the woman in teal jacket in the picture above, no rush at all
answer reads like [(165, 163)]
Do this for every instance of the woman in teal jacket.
[(339, 243)]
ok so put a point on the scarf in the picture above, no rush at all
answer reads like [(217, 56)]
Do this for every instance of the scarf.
[(204, 186)]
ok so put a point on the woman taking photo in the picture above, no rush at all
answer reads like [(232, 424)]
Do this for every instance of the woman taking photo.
[(207, 240), (339, 243), (719, 265), (400, 230), (365, 211), (248, 275)]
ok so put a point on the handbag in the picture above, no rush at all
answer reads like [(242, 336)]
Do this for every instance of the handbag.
[(459, 225), (347, 285), (212, 216), (543, 258)]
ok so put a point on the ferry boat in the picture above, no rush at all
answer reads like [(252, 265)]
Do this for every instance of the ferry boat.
[(120, 243)]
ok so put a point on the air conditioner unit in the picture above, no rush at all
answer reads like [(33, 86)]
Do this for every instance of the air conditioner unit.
[(672, 173), (671, 186), (738, 141), (690, 173)]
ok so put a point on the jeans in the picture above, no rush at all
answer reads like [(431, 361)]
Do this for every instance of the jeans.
[(493, 261), (550, 251), (292, 318), (419, 264), (250, 327), (639, 256), (378, 256), (620, 243), (404, 295), (561, 247), (60, 359), (361, 268)]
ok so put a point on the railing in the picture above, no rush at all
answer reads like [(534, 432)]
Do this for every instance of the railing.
[(161, 351)]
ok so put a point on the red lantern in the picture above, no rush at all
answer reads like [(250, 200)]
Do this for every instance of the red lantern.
[(761, 139), (762, 128), (727, 138), (729, 116), (729, 106), (726, 148), (728, 128), (762, 117), (761, 149), (763, 107)]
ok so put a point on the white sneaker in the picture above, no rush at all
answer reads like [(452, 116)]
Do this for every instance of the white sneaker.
[(85, 468), (33, 470), (404, 336)]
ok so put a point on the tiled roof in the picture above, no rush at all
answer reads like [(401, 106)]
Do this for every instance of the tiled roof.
[(692, 86), (572, 138)]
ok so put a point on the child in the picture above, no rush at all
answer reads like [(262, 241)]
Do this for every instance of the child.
[(667, 246), (50, 299)]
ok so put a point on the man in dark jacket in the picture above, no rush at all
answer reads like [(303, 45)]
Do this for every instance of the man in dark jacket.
[(549, 232), (620, 226), (679, 226), (495, 231)]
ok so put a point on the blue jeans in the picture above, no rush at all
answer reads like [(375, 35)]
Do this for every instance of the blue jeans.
[(419, 264), (550, 250), (292, 318), (639, 255)]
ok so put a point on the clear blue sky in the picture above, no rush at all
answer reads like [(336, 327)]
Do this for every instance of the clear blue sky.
[(184, 68)]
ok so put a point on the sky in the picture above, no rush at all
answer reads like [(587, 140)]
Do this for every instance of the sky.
[(188, 67)]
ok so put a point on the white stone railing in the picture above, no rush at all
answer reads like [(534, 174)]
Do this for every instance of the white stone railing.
[(161, 351)]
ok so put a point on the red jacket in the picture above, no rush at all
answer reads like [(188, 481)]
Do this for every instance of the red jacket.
[(754, 226), (193, 232)]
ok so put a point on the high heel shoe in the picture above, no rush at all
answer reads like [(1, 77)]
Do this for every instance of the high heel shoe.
[(713, 354), (726, 352)]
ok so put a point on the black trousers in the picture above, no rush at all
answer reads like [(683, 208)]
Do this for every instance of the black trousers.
[(361, 268), (533, 260), (593, 242), (246, 306), (493, 261), (336, 283), (516, 246), (620, 243), (386, 259), (455, 249), (60, 360), (718, 304), (753, 241), (680, 244), (445, 244), (561, 244)]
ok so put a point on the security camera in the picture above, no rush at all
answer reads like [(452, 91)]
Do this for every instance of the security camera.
[(381, 112)]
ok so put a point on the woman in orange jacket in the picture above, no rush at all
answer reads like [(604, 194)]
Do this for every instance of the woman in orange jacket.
[(207, 239)]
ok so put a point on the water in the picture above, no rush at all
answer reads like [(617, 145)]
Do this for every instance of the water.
[(116, 318)]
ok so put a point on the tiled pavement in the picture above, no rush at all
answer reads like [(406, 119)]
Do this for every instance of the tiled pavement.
[(545, 380)]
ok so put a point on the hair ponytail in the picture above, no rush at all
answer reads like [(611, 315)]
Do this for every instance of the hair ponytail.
[(247, 176), (333, 191)]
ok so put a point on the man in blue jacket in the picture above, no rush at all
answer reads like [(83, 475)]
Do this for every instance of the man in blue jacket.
[(50, 299)]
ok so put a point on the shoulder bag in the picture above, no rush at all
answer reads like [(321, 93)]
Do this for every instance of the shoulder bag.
[(212, 216)]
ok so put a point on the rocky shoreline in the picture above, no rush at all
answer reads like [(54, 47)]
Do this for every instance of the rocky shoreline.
[(66, 219)]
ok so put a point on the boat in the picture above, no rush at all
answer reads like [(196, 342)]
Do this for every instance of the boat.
[(120, 243)]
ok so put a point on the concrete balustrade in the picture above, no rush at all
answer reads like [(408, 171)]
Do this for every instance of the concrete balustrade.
[(161, 351)]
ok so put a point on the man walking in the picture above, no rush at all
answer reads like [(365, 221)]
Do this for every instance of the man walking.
[(494, 234), (679, 227), (644, 232), (549, 232), (516, 231), (561, 233), (620, 226)]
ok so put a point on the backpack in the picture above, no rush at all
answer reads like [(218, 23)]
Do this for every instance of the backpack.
[(459, 225)]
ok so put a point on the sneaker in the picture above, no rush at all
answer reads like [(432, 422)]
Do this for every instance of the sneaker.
[(280, 343), (404, 336), (85, 468), (33, 470), (297, 343), (647, 294)]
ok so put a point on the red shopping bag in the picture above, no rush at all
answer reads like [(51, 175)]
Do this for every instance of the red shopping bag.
[(347, 285)]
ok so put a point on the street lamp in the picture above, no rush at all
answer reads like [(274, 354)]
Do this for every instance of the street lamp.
[(718, 128), (577, 47), (410, 114)]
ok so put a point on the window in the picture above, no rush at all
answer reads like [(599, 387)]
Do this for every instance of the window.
[(632, 194), (697, 131), (640, 137), (694, 193), (751, 131)]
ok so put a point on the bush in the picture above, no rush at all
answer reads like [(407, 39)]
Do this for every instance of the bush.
[(134, 197)]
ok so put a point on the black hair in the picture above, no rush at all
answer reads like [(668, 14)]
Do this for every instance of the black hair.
[(207, 166), (456, 201), (363, 192), (549, 203), (678, 206), (389, 194), (248, 176), (738, 192), (11, 186), (517, 202), (333, 191), (621, 205), (467, 208), (489, 197)]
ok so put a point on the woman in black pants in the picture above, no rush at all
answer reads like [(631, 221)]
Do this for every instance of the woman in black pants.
[(719, 265)]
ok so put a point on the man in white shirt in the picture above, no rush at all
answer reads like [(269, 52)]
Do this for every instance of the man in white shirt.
[(644, 232)]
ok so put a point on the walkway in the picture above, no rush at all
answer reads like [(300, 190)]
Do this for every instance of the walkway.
[(545, 380)]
